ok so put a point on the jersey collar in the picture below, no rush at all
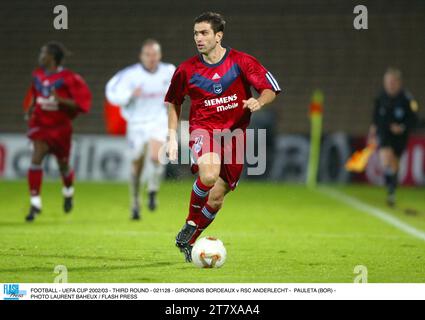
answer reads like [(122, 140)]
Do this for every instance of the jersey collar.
[(215, 64), (147, 70)]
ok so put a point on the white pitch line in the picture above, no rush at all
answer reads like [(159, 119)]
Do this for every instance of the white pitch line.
[(373, 211)]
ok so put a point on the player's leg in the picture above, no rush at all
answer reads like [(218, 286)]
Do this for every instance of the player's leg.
[(67, 174), (209, 165), (35, 177), (389, 163), (137, 143), (156, 171), (211, 208), (136, 171)]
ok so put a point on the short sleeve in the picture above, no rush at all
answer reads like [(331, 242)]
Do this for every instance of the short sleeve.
[(80, 93), (257, 75), (119, 89), (178, 87)]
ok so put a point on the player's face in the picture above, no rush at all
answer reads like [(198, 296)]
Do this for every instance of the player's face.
[(45, 58), (150, 56), (205, 38), (392, 84)]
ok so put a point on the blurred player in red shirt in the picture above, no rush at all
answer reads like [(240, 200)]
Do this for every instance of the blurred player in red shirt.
[(57, 95), (218, 82)]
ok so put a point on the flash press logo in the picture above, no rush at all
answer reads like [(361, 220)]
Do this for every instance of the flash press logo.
[(12, 292)]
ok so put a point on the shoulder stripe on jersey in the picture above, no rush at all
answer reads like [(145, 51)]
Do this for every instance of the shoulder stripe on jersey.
[(273, 81)]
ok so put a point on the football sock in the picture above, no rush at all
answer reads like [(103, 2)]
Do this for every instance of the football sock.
[(68, 191), (68, 178), (198, 198), (134, 190), (390, 180), (155, 176), (204, 220), (35, 177)]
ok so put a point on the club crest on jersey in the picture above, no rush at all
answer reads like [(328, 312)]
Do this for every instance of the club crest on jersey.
[(399, 112), (217, 88)]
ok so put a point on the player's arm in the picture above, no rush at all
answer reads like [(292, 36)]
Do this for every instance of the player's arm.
[(261, 79), (267, 96), (174, 98), (29, 102), (80, 96), (412, 120), (120, 89), (65, 104), (372, 134), (173, 122)]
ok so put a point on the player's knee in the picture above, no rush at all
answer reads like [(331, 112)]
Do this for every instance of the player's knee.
[(37, 159), (209, 178)]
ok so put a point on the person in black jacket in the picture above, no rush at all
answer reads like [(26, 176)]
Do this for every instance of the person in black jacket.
[(394, 116)]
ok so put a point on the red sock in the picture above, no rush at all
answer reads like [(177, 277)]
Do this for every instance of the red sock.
[(206, 217), (198, 198), (68, 179), (35, 177)]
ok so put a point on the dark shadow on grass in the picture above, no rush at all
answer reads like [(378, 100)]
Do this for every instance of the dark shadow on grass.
[(91, 268), (64, 222), (68, 256)]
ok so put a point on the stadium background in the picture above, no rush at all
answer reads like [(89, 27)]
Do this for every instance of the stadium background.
[(307, 44)]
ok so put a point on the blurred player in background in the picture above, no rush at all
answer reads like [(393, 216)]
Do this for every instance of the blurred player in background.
[(394, 116), (218, 81), (57, 95), (139, 90)]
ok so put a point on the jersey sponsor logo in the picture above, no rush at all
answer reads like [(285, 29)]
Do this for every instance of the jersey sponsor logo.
[(227, 107), (223, 103), (211, 86), (216, 101)]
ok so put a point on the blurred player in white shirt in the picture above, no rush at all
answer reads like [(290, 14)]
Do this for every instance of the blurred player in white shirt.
[(140, 90)]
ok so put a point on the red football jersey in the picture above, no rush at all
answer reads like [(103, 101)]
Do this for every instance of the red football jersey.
[(217, 90), (67, 84)]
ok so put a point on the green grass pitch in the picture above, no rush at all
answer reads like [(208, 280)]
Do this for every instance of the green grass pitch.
[(272, 232)]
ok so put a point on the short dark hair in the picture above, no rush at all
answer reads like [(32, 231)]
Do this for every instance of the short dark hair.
[(57, 50), (216, 20)]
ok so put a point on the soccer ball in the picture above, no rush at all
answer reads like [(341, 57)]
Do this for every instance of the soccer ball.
[(209, 252)]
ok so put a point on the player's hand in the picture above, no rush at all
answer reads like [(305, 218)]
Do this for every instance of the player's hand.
[(252, 104), (396, 128), (372, 140), (172, 149), (137, 92)]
